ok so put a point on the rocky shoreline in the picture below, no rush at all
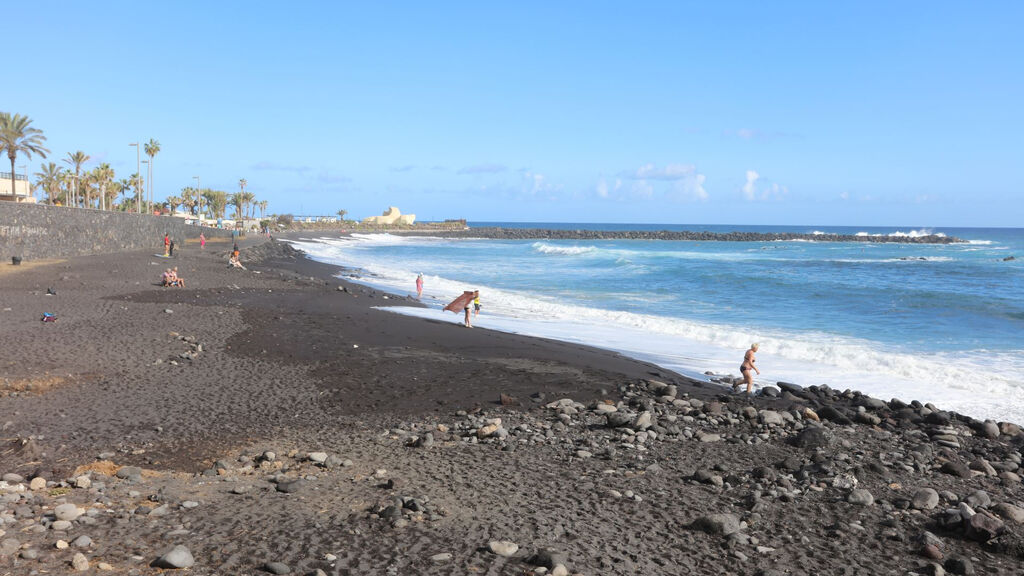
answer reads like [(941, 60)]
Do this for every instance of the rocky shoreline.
[(496, 233), (272, 423)]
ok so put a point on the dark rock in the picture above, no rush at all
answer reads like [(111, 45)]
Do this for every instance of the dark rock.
[(549, 558), (277, 568), (619, 419), (813, 437), (290, 486), (938, 418), (982, 527), (959, 565), (719, 524), (833, 414), (956, 469)]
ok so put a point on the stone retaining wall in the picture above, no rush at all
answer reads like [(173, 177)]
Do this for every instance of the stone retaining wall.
[(38, 231)]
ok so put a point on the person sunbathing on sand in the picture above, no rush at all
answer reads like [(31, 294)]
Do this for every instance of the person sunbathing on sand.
[(234, 262), (175, 279), (165, 279)]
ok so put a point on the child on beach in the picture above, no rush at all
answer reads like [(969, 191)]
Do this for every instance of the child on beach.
[(476, 305), (202, 241), (419, 286)]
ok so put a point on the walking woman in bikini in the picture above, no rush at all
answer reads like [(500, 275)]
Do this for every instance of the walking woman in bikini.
[(747, 366)]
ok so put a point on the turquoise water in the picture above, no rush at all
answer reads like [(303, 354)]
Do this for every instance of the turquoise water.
[(935, 322)]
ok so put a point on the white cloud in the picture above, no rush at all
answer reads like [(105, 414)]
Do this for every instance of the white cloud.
[(669, 172), (691, 188), (749, 191), (642, 189), (757, 189), (844, 195), (602, 188)]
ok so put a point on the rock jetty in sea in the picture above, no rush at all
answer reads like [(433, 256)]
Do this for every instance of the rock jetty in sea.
[(685, 235)]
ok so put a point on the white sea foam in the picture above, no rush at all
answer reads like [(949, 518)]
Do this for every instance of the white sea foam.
[(900, 234), (980, 383), (545, 248)]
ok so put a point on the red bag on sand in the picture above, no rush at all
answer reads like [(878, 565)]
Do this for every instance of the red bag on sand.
[(460, 303)]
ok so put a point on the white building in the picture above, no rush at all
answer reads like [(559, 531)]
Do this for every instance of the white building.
[(22, 188)]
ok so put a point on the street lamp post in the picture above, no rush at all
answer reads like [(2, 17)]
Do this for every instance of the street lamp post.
[(138, 174), (146, 187), (199, 198)]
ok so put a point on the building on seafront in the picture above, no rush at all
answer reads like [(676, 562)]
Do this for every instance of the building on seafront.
[(22, 190)]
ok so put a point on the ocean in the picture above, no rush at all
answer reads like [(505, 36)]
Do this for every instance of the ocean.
[(940, 323)]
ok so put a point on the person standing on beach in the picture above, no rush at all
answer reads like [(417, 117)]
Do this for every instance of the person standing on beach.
[(167, 245), (202, 241), (170, 248), (747, 366), (464, 302), (419, 286), (476, 305), (469, 303)]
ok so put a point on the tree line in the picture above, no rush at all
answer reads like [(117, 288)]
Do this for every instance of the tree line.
[(68, 184)]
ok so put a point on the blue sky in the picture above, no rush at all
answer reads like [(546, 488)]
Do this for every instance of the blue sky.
[(889, 113)]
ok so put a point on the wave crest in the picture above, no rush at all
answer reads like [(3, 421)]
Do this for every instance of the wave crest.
[(545, 248)]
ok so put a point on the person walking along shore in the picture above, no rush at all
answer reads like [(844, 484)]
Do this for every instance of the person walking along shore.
[(746, 367)]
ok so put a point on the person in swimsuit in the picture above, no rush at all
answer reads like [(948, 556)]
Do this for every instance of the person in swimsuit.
[(469, 304), (747, 366), (419, 286), (476, 306)]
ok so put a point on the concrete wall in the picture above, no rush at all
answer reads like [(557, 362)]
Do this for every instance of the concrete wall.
[(38, 231)]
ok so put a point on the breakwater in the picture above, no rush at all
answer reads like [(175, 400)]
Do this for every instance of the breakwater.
[(497, 233), (38, 231)]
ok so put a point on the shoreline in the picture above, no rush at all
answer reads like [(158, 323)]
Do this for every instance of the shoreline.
[(705, 358), (498, 233), (267, 416)]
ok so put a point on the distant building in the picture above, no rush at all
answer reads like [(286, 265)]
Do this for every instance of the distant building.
[(391, 216), (22, 188)]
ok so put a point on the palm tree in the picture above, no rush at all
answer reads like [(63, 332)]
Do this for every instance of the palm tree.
[(48, 178), (136, 182), (248, 201), (76, 159), (172, 203), (151, 148), (263, 208), (341, 214), (188, 199), (238, 201), (244, 196), (103, 175), (17, 135), (216, 201), (124, 185)]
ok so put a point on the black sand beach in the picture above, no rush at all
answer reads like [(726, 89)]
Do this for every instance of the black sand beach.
[(272, 421)]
